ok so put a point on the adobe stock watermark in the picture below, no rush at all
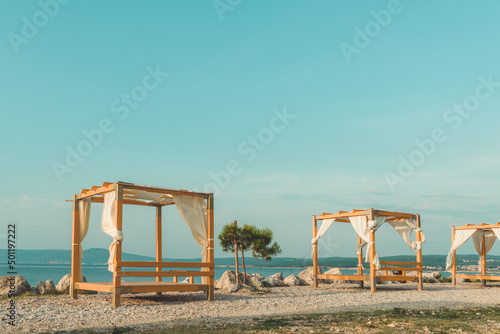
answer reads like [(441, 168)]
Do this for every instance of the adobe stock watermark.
[(31, 26), (452, 117), (222, 7), (249, 149), (363, 36), (121, 107)]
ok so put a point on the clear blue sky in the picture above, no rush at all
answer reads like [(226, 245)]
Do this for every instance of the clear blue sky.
[(230, 70)]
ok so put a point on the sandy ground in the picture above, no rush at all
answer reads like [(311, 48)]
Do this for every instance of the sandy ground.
[(146, 311)]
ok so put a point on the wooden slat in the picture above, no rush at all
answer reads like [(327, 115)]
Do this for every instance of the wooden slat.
[(125, 201), (401, 268), (164, 190), (170, 273), (480, 277), (477, 227), (401, 263), (152, 264), (100, 190), (344, 277), (398, 278), (94, 286)]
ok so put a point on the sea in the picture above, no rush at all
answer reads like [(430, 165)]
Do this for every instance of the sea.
[(100, 273)]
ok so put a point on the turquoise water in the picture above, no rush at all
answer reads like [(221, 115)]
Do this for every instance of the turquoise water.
[(34, 273)]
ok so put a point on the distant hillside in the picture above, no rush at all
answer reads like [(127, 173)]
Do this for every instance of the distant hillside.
[(99, 256)]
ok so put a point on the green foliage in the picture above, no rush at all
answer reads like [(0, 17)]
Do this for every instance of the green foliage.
[(249, 238), (229, 237)]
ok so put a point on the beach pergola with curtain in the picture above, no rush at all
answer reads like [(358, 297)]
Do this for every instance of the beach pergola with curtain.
[(366, 223), (484, 237), (196, 208)]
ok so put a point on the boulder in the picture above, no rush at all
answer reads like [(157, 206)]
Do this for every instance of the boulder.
[(227, 282), (334, 271), (306, 276), (244, 279), (13, 284), (34, 290), (434, 274), (259, 276), (46, 288), (255, 282), (291, 280), (229, 277), (272, 281), (65, 283)]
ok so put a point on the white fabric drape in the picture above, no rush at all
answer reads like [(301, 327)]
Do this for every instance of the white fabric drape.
[(325, 225), (461, 236), (497, 232), (84, 221), (108, 225), (194, 211), (83, 229), (405, 228), (489, 241), (363, 227)]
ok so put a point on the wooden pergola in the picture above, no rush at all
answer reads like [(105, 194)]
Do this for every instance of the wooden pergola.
[(483, 276), (131, 194), (399, 266)]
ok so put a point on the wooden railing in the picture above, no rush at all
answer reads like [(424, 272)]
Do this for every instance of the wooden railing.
[(207, 269), (400, 266)]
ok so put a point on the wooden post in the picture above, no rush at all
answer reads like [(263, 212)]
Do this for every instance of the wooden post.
[(315, 252), (454, 265), (76, 267), (118, 251), (419, 256), (483, 259), (159, 255), (373, 269), (211, 244), (360, 262)]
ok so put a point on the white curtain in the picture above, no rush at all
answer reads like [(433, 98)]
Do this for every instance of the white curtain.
[(489, 241), (461, 236), (84, 221), (83, 228), (325, 225), (108, 225), (363, 227), (405, 228), (497, 232), (194, 211)]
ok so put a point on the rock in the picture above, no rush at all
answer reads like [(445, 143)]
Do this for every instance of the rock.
[(227, 282), (278, 276), (306, 276), (255, 282), (334, 271), (65, 283), (34, 290), (46, 288), (272, 281), (229, 277), (244, 279), (232, 288), (18, 285), (259, 276), (291, 280), (434, 274)]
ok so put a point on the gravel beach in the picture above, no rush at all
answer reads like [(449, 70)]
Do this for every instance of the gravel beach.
[(146, 311)]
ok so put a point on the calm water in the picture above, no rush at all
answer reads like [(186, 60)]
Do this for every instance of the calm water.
[(34, 273)]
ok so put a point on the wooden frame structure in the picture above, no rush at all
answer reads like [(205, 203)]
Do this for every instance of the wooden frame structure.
[(130, 194), (403, 267), (483, 276)]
